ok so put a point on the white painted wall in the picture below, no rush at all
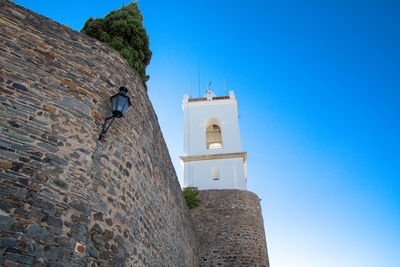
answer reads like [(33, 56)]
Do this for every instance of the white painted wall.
[(195, 117), (231, 172)]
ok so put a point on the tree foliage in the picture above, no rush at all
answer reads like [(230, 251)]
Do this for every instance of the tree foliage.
[(191, 197), (123, 30)]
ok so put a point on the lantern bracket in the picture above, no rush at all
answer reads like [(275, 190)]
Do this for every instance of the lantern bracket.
[(105, 128)]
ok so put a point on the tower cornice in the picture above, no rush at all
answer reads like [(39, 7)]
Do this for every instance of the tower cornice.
[(215, 156)]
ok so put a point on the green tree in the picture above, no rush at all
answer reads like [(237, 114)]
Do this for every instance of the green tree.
[(191, 197), (123, 30)]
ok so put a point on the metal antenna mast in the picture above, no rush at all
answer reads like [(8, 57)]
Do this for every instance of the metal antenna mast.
[(199, 76), (190, 89), (225, 87)]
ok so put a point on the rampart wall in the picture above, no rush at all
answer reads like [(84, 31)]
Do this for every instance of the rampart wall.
[(231, 229), (59, 184)]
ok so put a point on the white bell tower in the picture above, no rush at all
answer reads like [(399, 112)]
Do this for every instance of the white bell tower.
[(213, 157)]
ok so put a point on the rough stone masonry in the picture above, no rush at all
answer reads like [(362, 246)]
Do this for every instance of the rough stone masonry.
[(231, 229), (60, 185)]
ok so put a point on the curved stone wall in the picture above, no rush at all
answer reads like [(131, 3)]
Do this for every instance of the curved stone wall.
[(231, 228), (59, 184)]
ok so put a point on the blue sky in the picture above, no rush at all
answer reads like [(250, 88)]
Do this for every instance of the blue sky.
[(318, 89)]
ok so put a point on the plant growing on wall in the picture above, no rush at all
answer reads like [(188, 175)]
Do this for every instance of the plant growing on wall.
[(123, 30), (191, 197)]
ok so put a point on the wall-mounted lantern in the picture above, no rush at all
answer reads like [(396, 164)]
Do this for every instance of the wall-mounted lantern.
[(119, 103)]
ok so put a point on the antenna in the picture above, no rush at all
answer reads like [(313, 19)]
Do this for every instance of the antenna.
[(190, 89), (199, 76), (225, 87), (209, 86)]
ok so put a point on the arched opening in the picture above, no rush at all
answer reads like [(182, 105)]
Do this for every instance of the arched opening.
[(213, 134)]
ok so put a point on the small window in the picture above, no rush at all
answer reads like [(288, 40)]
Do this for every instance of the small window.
[(213, 137), (215, 173)]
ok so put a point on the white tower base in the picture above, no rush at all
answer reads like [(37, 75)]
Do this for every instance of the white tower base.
[(225, 171)]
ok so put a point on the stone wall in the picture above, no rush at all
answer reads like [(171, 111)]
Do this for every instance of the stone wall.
[(59, 184), (231, 229)]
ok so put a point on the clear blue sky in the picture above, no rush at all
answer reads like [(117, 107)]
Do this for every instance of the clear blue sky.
[(318, 89)]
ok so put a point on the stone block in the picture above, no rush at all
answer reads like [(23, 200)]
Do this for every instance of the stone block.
[(6, 222), (5, 164), (37, 232)]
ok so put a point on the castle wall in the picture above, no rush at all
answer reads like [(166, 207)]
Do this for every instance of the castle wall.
[(59, 184), (231, 228)]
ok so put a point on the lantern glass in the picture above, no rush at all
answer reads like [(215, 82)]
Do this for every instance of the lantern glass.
[(120, 102), (125, 105)]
